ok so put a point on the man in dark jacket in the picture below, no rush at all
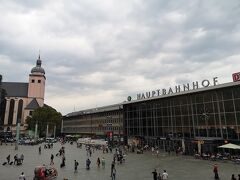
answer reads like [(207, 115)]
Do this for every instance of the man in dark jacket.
[(154, 174)]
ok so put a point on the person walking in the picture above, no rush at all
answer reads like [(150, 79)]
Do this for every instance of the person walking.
[(112, 167), (15, 159), (39, 150), (164, 175), (8, 158), (157, 152), (22, 158), (215, 171), (52, 157), (88, 162), (63, 161), (98, 162), (114, 174), (159, 176), (22, 176), (154, 174), (103, 162), (233, 177), (75, 166)]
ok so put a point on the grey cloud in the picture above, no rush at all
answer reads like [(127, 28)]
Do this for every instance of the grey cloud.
[(89, 48)]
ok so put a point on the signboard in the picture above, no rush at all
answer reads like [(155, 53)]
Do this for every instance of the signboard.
[(179, 88), (236, 77)]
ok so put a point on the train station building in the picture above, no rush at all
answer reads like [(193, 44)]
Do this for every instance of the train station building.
[(195, 116), (100, 122)]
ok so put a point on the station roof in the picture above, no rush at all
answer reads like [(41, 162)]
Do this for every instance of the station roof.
[(96, 110)]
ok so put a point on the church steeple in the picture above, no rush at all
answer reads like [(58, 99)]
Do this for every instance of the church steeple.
[(38, 68), (36, 85)]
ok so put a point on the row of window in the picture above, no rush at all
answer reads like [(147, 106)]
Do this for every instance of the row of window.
[(101, 116), (211, 119), (95, 122), (92, 130), (220, 106)]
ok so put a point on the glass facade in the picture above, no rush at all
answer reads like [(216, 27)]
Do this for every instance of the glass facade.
[(208, 114)]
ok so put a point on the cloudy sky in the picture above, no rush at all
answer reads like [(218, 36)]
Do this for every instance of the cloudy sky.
[(97, 52)]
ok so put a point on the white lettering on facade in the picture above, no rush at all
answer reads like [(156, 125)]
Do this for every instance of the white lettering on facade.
[(185, 87), (178, 88), (170, 91), (195, 85), (138, 96), (205, 83), (153, 93), (148, 94), (215, 81), (164, 92)]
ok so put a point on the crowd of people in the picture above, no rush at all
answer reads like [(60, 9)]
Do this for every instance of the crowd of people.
[(118, 157), (17, 160), (159, 176)]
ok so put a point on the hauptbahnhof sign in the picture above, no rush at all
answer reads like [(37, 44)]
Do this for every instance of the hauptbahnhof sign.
[(179, 88)]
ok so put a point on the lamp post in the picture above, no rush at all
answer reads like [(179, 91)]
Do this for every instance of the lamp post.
[(54, 131), (206, 122), (17, 135), (36, 129), (119, 128), (47, 131)]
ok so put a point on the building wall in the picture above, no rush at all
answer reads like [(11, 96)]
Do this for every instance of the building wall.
[(36, 88), (100, 123), (16, 111)]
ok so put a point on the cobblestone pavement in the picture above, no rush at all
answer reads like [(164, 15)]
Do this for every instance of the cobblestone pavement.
[(136, 167)]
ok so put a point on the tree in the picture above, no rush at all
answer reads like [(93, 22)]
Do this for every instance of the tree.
[(43, 116)]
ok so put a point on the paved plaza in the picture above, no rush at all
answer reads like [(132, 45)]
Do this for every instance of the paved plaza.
[(137, 166)]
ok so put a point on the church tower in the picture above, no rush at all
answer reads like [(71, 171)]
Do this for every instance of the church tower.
[(36, 85)]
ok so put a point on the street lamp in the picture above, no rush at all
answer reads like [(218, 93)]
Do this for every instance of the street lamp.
[(36, 129), (17, 134), (119, 128), (206, 122), (47, 131)]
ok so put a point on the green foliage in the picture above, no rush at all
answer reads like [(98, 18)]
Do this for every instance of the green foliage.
[(43, 116)]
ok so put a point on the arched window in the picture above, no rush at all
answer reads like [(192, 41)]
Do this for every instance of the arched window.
[(11, 111), (19, 114)]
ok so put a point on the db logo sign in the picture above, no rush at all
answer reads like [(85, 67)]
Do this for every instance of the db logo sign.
[(236, 77)]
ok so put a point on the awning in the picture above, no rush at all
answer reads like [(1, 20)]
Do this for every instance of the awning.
[(230, 146)]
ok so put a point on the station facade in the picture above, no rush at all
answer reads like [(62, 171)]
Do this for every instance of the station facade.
[(198, 119), (101, 122)]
